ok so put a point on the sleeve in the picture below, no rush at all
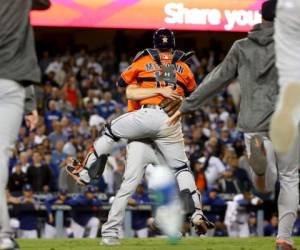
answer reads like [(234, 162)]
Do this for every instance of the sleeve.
[(192, 85), (96, 203), (30, 101), (219, 78), (129, 75), (48, 205)]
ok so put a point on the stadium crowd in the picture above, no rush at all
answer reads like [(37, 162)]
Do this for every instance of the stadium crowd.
[(77, 97)]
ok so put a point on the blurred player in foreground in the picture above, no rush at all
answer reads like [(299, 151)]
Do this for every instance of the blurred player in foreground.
[(285, 122), (18, 70), (252, 62)]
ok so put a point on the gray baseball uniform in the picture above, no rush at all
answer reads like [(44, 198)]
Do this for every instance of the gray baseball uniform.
[(18, 69), (287, 40), (252, 62), (139, 155)]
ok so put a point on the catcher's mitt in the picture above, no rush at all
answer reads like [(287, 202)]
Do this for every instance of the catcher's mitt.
[(170, 106)]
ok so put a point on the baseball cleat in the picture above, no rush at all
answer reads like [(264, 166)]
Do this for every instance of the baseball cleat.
[(78, 170), (110, 241), (201, 223), (284, 245), (8, 244), (258, 159), (284, 123)]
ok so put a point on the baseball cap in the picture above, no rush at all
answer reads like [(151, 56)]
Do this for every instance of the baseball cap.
[(27, 187), (268, 10), (63, 191), (90, 189)]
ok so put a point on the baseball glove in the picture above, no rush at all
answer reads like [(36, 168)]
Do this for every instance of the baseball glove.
[(170, 106)]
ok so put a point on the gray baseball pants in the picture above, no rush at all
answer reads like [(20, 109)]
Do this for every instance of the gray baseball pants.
[(134, 172), (287, 41), (284, 168), (146, 123), (12, 97)]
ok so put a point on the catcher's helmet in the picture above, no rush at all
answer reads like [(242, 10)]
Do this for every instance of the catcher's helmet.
[(163, 39)]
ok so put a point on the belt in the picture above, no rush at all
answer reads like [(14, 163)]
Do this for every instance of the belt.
[(151, 106)]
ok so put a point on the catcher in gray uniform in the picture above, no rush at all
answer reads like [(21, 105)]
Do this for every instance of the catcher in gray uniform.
[(252, 62)]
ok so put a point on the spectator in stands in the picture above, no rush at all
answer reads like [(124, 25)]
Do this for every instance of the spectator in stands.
[(212, 167), (271, 228), (107, 106), (52, 115), (239, 174), (26, 206), (39, 174), (71, 91), (60, 199), (69, 148), (58, 156), (24, 162), (123, 63), (140, 218), (85, 208), (57, 134), (17, 180)]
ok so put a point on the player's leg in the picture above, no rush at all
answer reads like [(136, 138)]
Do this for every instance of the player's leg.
[(132, 126), (142, 233), (139, 155), (78, 230), (288, 200), (93, 225), (243, 230), (287, 44), (49, 231), (171, 145), (11, 110), (264, 175)]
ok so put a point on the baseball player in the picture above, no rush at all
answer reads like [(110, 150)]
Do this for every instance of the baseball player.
[(60, 199), (154, 75), (84, 208), (18, 70), (284, 125), (252, 62)]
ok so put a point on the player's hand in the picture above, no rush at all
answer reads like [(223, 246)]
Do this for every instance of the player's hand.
[(32, 120), (51, 218), (174, 118), (169, 92)]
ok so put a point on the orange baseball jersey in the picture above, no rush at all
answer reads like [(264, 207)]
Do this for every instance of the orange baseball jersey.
[(144, 69)]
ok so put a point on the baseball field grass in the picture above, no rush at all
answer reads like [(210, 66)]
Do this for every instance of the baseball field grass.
[(155, 244)]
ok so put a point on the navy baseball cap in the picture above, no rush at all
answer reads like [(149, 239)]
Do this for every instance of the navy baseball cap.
[(63, 191), (163, 39), (27, 187), (90, 189)]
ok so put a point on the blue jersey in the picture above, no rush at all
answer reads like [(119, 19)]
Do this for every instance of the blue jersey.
[(27, 215), (83, 209), (139, 218), (106, 109)]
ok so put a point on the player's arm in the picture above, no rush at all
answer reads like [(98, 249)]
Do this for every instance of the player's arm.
[(136, 93), (215, 81)]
